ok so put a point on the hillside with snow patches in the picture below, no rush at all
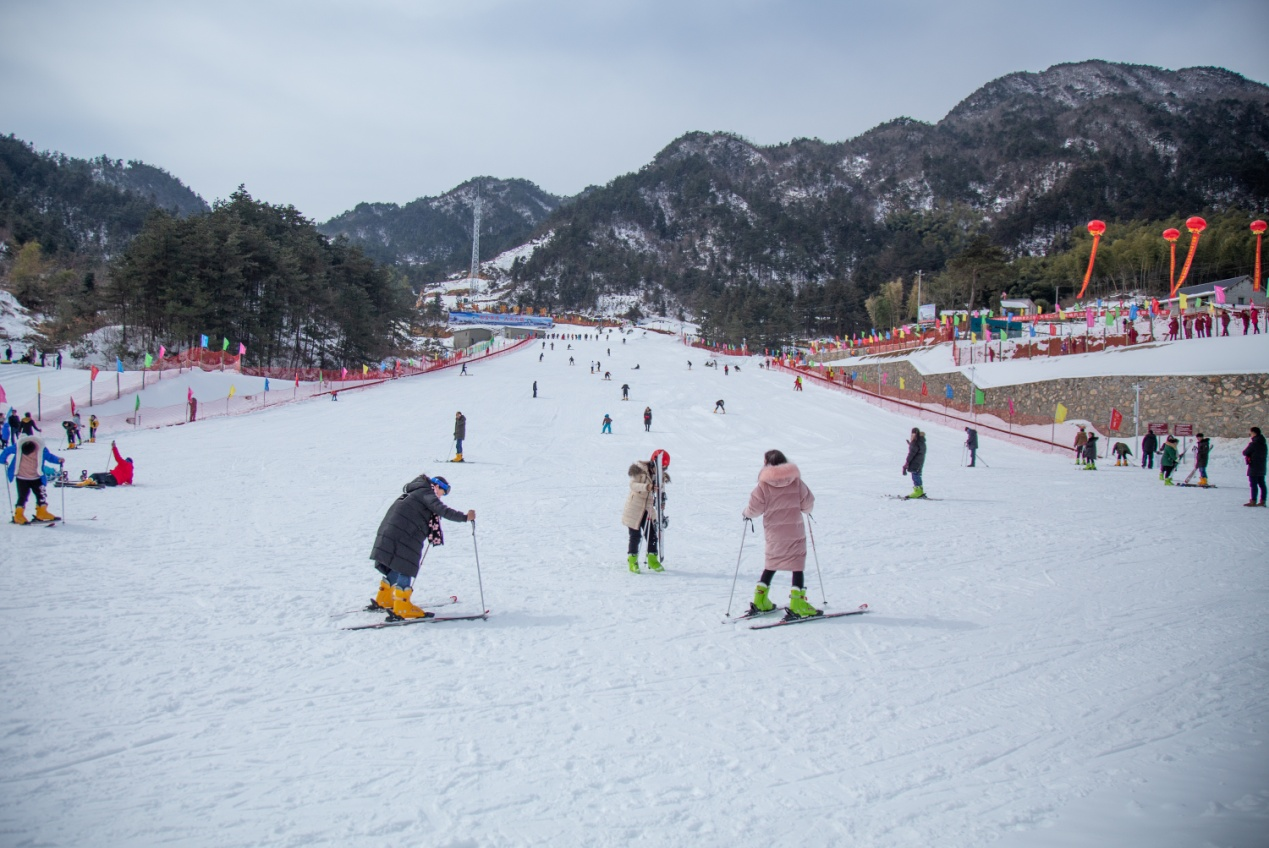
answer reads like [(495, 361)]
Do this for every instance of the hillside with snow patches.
[(1053, 657)]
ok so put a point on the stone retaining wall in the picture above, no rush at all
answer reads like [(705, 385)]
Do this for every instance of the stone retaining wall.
[(1223, 405)]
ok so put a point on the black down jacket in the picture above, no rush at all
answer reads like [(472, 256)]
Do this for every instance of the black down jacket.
[(916, 455), (403, 531)]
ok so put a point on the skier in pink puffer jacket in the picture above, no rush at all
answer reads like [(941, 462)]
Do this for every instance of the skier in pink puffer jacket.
[(781, 498)]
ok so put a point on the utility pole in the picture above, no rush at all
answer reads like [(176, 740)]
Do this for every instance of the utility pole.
[(475, 244), (918, 298), (1136, 417)]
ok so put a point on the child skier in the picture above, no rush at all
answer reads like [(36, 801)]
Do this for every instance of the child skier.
[(607, 428), (1122, 452), (781, 498), (1169, 460), (720, 407), (915, 462), (1090, 453), (413, 520), (26, 465), (638, 514), (1202, 450)]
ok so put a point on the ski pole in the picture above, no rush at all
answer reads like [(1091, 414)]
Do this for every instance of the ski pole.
[(63, 488), (479, 581), (8, 495), (730, 597), (815, 554)]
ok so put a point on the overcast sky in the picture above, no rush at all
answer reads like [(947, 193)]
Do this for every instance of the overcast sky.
[(327, 103)]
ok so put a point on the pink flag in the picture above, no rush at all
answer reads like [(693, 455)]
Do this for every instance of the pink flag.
[(162, 350), (72, 407), (2, 397), (343, 375), (242, 349), (1011, 411), (1220, 294), (189, 394), (1088, 316)]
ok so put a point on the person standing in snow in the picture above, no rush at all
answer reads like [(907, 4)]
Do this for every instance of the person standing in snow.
[(971, 444), (1090, 452), (460, 433), (607, 425), (1081, 439), (719, 406), (1149, 447), (1168, 463), (25, 466), (647, 419), (413, 520), (15, 425), (625, 391), (781, 498), (93, 424), (638, 514), (28, 427), (915, 462), (535, 388), (1202, 450), (797, 383), (1254, 454), (1122, 452)]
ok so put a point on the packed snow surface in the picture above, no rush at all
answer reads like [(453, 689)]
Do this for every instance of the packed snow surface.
[(1053, 658)]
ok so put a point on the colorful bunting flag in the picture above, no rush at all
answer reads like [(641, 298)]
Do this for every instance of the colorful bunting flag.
[(1060, 414), (93, 372)]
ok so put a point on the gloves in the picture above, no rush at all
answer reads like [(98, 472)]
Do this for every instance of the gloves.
[(905, 471)]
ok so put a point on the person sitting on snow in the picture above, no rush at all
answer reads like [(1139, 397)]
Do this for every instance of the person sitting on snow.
[(120, 475)]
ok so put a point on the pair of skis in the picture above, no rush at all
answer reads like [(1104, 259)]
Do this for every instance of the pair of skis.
[(401, 622), (789, 618)]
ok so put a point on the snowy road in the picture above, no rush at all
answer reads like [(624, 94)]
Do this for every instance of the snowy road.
[(1054, 658)]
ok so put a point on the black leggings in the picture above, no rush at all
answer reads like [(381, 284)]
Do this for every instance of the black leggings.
[(637, 532), (1257, 483), (769, 575), (31, 487)]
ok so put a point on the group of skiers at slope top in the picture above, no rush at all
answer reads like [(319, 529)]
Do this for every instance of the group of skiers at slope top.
[(1201, 325), (29, 464)]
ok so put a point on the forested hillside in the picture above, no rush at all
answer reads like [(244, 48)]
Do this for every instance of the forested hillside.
[(430, 238)]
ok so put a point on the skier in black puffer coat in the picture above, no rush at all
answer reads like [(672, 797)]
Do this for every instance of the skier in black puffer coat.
[(413, 520)]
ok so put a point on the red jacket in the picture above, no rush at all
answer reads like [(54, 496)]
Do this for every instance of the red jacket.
[(122, 472)]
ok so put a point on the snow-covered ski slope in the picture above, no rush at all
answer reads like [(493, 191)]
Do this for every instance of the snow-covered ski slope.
[(1054, 658)]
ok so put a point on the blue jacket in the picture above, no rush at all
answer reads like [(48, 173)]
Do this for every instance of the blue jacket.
[(9, 456)]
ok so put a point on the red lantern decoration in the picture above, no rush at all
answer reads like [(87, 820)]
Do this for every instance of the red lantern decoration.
[(1257, 227), (1195, 225), (1170, 235), (1095, 229)]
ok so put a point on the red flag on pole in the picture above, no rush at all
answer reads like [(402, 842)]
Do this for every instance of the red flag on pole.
[(94, 373), (297, 379), (72, 407), (1116, 419)]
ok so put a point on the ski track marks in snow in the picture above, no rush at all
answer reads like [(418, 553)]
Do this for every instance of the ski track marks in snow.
[(1053, 657)]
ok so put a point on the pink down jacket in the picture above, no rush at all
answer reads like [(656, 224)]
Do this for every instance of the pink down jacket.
[(780, 498)]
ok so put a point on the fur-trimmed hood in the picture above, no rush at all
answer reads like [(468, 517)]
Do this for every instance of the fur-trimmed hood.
[(779, 475)]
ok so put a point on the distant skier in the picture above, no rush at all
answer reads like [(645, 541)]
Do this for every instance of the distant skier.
[(797, 383), (915, 462), (689, 365), (15, 426), (28, 427), (413, 520), (726, 370), (1254, 454), (719, 407), (607, 422), (71, 432), (1121, 452), (1090, 452), (93, 424), (1168, 463), (120, 475), (463, 371), (1081, 439), (25, 466), (607, 375), (1149, 447), (647, 419), (535, 388), (460, 433), (971, 443), (638, 514), (781, 498), (1202, 450), (570, 360), (625, 391)]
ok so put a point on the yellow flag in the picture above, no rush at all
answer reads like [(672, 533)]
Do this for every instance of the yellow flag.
[(232, 391), (37, 386), (1183, 300), (364, 370), (901, 383), (1061, 414)]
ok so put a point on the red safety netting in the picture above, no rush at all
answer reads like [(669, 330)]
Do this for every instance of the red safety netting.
[(1029, 431)]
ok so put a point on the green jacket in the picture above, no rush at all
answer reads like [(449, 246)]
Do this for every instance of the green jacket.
[(1169, 455)]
